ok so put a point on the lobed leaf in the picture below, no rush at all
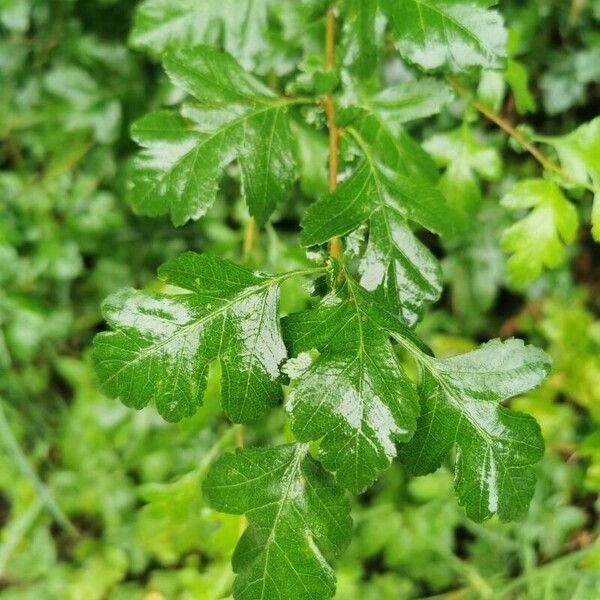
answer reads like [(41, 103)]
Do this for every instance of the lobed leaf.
[(579, 154), (536, 241), (457, 33), (163, 343), (160, 25), (496, 447), (355, 395), (178, 170), (298, 521), (386, 191)]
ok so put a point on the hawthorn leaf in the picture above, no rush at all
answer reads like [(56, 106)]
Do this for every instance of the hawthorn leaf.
[(536, 241), (411, 100), (162, 343), (466, 160), (178, 169), (456, 33), (496, 447), (395, 261), (361, 47), (517, 76), (160, 25), (355, 395), (398, 266), (579, 154), (298, 521)]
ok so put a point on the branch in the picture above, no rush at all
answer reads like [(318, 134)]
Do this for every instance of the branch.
[(334, 132), (546, 163)]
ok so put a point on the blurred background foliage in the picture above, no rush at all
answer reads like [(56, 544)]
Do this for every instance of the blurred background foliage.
[(98, 501)]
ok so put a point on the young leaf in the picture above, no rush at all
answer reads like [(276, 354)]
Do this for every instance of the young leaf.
[(163, 24), (579, 154), (466, 160), (395, 260), (298, 519), (163, 343), (457, 33), (178, 170), (355, 394), (496, 447), (536, 241)]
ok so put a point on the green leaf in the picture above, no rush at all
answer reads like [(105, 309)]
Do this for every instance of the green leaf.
[(354, 394), (160, 25), (163, 343), (579, 154), (395, 260), (517, 76), (457, 33), (411, 100), (179, 168), (496, 447), (466, 160), (361, 48), (536, 241), (298, 521), (398, 266), (82, 105)]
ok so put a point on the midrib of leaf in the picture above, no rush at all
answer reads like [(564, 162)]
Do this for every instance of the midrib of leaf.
[(290, 475), (185, 329), (428, 363), (383, 206)]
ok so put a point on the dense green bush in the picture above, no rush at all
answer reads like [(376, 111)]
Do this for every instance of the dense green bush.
[(332, 194)]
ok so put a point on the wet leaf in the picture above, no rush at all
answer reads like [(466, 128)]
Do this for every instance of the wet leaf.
[(163, 343), (160, 25), (386, 191), (454, 33), (179, 168), (355, 394), (298, 521), (496, 447)]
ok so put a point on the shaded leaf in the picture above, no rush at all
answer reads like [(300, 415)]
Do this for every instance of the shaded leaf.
[(466, 160), (411, 100), (579, 154), (361, 47)]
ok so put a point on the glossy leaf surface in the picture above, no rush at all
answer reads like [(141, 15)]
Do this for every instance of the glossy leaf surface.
[(496, 447), (354, 394), (299, 521), (163, 343), (456, 33), (160, 25), (179, 168), (411, 100), (386, 190)]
